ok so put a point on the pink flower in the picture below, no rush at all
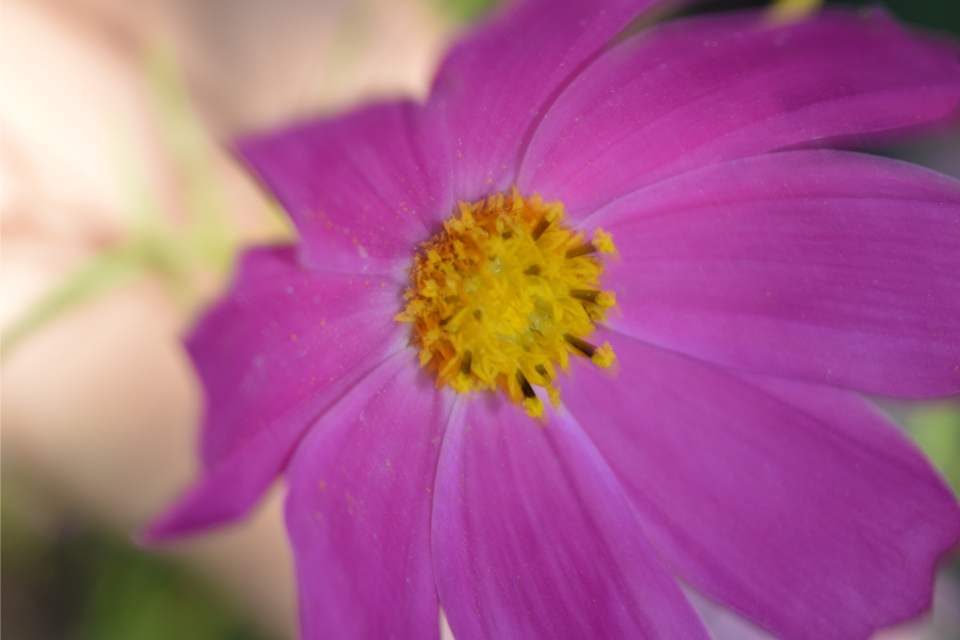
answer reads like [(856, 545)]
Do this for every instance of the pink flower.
[(761, 282)]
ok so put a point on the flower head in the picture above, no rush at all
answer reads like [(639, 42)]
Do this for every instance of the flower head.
[(502, 296), (444, 286)]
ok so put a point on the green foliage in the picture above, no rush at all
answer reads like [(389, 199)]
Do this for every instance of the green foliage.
[(943, 15), (67, 582), (467, 10), (937, 430), (175, 254)]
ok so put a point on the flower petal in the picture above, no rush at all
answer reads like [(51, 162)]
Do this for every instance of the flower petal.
[(358, 511), (496, 83), (279, 348), (533, 537), (796, 504), (820, 265), (693, 92), (229, 489), (364, 189)]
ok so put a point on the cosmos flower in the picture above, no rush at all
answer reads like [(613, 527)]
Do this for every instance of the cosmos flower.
[(594, 318)]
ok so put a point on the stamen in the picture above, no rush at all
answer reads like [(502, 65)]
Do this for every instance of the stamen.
[(541, 227), (525, 385), (531, 402), (590, 295), (602, 242), (604, 356), (581, 345), (605, 299), (601, 356), (582, 250)]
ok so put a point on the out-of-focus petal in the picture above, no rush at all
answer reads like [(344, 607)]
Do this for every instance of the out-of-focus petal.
[(496, 83), (286, 340), (796, 504), (533, 536), (820, 265), (279, 348), (694, 92), (363, 189), (358, 511), (229, 489)]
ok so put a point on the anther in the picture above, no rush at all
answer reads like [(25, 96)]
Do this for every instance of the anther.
[(542, 370), (603, 299), (525, 385), (602, 242), (601, 356), (533, 270), (590, 295), (466, 362), (531, 402), (582, 250), (580, 345), (541, 227)]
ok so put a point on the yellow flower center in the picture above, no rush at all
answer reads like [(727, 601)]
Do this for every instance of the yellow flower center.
[(504, 294)]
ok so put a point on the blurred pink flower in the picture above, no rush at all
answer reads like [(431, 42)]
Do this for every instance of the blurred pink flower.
[(762, 282)]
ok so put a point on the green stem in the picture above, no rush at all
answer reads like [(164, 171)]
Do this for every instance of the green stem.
[(104, 272)]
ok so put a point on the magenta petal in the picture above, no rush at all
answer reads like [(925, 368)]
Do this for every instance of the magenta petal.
[(363, 189), (796, 504), (278, 349), (358, 511), (230, 488), (821, 265), (698, 91), (533, 537), (284, 343), (496, 82)]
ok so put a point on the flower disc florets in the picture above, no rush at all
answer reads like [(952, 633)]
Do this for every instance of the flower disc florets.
[(504, 294)]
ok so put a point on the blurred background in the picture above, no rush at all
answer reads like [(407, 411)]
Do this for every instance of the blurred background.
[(120, 211)]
